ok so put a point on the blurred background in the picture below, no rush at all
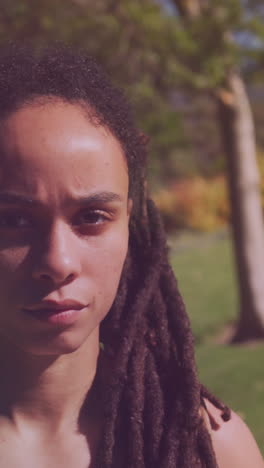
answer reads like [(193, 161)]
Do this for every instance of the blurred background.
[(193, 71)]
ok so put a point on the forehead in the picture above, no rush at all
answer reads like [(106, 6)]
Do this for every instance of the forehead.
[(56, 141)]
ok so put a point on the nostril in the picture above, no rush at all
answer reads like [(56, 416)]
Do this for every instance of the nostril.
[(55, 278)]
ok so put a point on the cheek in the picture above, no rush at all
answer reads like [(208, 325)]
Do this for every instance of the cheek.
[(108, 264), (13, 278), (12, 258), (11, 265)]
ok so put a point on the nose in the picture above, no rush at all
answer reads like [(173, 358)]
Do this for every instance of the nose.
[(58, 260)]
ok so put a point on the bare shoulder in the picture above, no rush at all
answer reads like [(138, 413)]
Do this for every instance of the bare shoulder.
[(233, 443)]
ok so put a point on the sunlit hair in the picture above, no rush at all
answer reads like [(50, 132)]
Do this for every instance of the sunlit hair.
[(153, 397)]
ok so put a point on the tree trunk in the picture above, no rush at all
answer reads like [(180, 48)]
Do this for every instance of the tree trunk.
[(237, 128)]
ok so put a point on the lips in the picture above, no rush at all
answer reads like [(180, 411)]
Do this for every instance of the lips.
[(63, 312), (49, 305)]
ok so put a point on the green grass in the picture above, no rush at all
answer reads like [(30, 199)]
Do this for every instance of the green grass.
[(235, 374), (204, 268)]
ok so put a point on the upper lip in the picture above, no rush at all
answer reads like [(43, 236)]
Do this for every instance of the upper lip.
[(55, 305)]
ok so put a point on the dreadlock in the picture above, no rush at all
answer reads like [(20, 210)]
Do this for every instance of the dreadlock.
[(153, 398)]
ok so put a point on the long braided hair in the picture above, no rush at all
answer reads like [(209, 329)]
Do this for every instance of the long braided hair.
[(152, 401)]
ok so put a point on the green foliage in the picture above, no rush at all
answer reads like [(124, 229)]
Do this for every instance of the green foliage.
[(131, 39), (151, 53)]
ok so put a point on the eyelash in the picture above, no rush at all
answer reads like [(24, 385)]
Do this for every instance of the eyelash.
[(104, 217), (12, 220)]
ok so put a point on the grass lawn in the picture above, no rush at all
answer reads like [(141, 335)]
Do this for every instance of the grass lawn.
[(235, 374), (204, 268)]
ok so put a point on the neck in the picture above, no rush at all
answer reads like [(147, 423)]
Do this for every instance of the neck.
[(47, 392)]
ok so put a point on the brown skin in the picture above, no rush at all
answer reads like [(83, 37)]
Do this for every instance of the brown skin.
[(233, 443), (61, 248), (64, 248)]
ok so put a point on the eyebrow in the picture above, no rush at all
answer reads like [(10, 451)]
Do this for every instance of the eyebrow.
[(99, 197)]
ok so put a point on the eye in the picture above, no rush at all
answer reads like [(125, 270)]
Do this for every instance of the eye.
[(91, 217), (15, 220)]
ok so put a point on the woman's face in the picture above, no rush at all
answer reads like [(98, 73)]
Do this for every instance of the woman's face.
[(64, 213)]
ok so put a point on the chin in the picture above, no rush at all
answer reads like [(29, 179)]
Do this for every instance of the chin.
[(65, 342), (55, 349)]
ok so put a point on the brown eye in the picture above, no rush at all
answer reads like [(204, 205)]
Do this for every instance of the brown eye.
[(15, 221), (93, 217)]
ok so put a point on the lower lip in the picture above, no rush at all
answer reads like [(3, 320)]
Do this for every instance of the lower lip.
[(55, 317)]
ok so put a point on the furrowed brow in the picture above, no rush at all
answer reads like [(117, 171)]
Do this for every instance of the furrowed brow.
[(100, 197), (10, 198), (16, 199)]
